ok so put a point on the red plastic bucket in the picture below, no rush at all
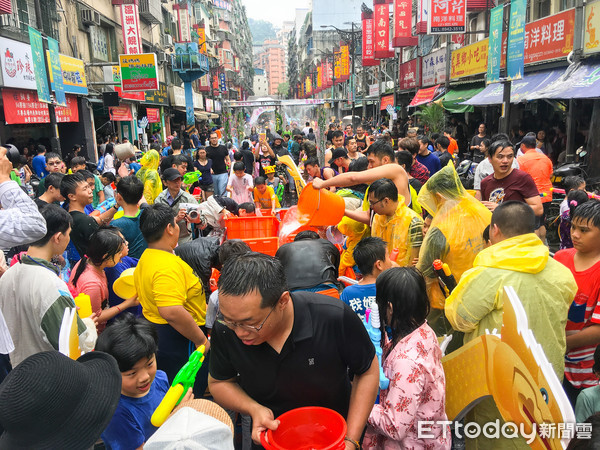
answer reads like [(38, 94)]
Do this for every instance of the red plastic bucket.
[(308, 428), (320, 207)]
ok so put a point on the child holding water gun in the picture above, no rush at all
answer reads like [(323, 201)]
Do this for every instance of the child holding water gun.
[(133, 343), (412, 363)]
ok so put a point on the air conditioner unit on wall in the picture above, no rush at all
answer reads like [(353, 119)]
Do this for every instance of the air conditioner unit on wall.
[(167, 40), (90, 17), (161, 57)]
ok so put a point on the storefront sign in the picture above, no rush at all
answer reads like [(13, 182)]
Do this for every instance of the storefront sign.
[(469, 60), (386, 100), (120, 113), (113, 74), (403, 24), (222, 82), (447, 16), (73, 75), (319, 77), (17, 65), (138, 72), (433, 68), (515, 59), (408, 75), (22, 107), (39, 65), (422, 16), (345, 62), (209, 105), (381, 29), (201, 40), (368, 58), (424, 96), (337, 66), (204, 83), (177, 95), (130, 23), (495, 49), (183, 18), (157, 97), (153, 115), (592, 28), (56, 72)]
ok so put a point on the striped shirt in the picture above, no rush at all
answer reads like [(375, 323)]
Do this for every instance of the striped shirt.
[(20, 220), (584, 312)]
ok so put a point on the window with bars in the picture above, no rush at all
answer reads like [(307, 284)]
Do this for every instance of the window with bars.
[(26, 16)]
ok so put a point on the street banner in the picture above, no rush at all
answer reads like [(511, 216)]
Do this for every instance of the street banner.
[(130, 23), (56, 74), (403, 24), (73, 74), (515, 59), (495, 48), (120, 113), (345, 62), (183, 20), (222, 82), (368, 47), (22, 107), (422, 16), (381, 29), (139, 72), (308, 85), (447, 17), (469, 60), (408, 75), (329, 75), (386, 100), (319, 77), (424, 96), (201, 40), (204, 83), (592, 28), (433, 68), (337, 67), (39, 66)]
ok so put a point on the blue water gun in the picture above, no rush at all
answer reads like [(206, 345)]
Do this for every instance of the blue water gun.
[(104, 206), (373, 325)]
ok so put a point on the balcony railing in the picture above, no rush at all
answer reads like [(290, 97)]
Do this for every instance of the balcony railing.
[(188, 62)]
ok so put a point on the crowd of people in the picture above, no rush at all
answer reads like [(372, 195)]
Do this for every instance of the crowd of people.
[(286, 331)]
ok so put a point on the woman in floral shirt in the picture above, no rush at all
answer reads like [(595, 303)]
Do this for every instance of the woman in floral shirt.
[(412, 363)]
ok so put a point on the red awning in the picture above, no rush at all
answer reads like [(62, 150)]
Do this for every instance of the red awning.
[(424, 96)]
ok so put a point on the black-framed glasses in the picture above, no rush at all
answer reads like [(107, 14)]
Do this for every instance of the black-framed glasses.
[(371, 204), (234, 325)]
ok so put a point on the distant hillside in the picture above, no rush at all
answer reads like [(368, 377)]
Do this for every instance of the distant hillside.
[(261, 30)]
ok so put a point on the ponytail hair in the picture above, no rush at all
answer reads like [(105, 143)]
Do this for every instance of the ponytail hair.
[(104, 244), (574, 199)]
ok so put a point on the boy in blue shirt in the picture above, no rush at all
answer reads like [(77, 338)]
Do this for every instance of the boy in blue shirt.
[(372, 258), (133, 343)]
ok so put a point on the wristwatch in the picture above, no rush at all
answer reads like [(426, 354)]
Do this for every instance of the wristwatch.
[(116, 207)]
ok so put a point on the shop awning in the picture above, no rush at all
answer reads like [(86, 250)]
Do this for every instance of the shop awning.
[(521, 90), (452, 101), (424, 96), (578, 81)]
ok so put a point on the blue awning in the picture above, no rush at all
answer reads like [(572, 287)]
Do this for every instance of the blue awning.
[(578, 81), (521, 90)]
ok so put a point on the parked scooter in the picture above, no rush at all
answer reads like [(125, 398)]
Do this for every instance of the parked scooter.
[(466, 173)]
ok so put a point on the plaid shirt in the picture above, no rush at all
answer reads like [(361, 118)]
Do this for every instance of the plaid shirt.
[(419, 171)]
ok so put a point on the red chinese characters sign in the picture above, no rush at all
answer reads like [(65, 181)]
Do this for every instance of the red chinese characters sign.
[(120, 113), (547, 38), (130, 23), (403, 24), (381, 30), (408, 75), (447, 16), (153, 115), (386, 100), (22, 106), (368, 58)]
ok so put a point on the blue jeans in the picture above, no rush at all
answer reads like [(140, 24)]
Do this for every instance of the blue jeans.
[(220, 183)]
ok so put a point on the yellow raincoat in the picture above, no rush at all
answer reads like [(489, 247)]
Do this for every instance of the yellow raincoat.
[(456, 232), (149, 175), (354, 232), (394, 231), (546, 289)]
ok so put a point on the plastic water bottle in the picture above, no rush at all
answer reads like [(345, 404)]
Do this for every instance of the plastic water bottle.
[(30, 190)]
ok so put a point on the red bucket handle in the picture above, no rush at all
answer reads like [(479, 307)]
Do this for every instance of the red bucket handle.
[(264, 442)]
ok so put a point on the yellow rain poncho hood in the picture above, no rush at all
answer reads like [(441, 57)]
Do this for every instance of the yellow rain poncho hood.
[(456, 232), (148, 174)]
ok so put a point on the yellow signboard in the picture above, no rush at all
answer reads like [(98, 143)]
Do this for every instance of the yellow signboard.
[(202, 40), (73, 74), (470, 60), (592, 28)]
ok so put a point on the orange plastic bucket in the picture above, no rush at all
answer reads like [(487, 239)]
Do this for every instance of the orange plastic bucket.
[(308, 428), (320, 207)]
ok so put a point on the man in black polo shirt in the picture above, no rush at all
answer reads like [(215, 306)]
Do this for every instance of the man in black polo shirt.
[(272, 351), (220, 160)]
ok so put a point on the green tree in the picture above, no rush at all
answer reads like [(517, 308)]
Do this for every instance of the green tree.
[(432, 117), (283, 89), (292, 71)]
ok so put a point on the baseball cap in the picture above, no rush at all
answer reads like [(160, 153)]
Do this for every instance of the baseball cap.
[(338, 153), (171, 174)]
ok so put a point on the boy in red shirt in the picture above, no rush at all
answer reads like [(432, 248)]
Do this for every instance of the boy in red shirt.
[(583, 325)]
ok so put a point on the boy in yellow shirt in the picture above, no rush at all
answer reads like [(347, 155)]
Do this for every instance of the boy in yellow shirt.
[(394, 222), (264, 195)]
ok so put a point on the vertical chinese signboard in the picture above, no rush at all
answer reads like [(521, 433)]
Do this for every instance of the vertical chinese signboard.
[(201, 40), (337, 66), (183, 18), (345, 62), (39, 65), (515, 60), (368, 58), (592, 28), (56, 73), (130, 23), (447, 16), (408, 75), (403, 24), (495, 49), (381, 30)]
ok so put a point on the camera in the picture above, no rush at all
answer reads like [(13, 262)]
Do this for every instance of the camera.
[(193, 213)]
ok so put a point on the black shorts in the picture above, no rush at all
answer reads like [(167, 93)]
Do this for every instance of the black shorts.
[(541, 220)]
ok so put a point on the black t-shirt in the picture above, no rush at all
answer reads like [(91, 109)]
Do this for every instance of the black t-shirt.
[(264, 161), (361, 143), (476, 140), (309, 263), (327, 342), (218, 155), (83, 228), (169, 160), (40, 203), (248, 158), (444, 158)]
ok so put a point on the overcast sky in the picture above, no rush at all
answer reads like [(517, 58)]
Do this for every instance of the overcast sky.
[(274, 11)]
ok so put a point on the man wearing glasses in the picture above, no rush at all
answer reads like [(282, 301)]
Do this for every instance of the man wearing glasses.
[(273, 351), (53, 165)]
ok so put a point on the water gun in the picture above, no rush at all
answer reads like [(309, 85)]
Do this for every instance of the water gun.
[(394, 254), (563, 192), (185, 379), (373, 324), (191, 177), (445, 277), (104, 206)]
